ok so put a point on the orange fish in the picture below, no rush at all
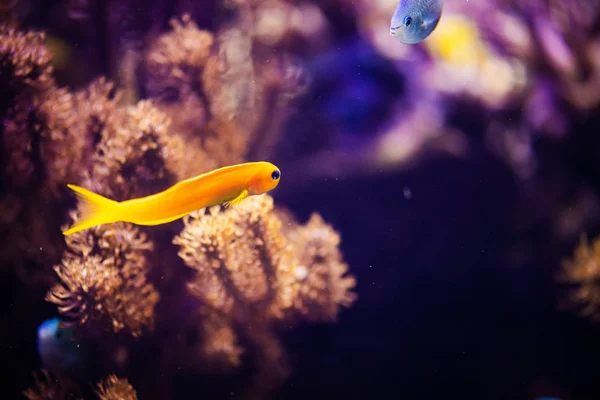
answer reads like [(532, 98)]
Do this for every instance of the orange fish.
[(228, 185)]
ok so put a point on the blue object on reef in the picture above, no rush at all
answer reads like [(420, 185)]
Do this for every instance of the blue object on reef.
[(58, 348), (414, 20)]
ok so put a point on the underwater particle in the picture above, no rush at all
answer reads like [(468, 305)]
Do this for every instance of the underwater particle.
[(407, 193), (324, 285), (582, 272), (414, 20), (58, 348), (103, 284), (114, 388)]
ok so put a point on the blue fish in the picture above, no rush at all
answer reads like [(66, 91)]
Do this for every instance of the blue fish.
[(414, 20), (58, 348)]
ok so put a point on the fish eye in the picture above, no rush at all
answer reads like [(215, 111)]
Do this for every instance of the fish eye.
[(407, 20), (275, 175)]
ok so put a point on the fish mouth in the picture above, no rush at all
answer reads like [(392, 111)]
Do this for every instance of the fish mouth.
[(394, 30)]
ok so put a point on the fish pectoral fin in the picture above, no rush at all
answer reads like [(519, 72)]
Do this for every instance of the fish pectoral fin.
[(237, 200)]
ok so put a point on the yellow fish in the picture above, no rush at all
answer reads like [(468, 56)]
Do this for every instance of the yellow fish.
[(228, 185)]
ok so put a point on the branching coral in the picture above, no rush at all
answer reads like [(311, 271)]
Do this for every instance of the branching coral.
[(103, 280), (25, 71), (248, 274), (41, 146), (43, 127), (128, 153), (134, 153), (224, 101), (24, 60), (176, 61), (181, 82), (321, 270), (48, 387), (114, 388), (583, 272), (239, 257), (213, 100)]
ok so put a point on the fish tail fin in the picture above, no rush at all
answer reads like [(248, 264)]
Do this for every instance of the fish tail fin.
[(95, 210)]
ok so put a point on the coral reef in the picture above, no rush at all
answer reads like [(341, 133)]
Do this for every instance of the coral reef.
[(207, 100), (321, 271), (103, 280), (114, 388), (582, 274), (249, 277), (133, 156), (38, 141), (128, 97), (47, 386)]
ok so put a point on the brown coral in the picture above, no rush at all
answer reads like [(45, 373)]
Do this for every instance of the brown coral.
[(25, 71), (583, 272), (177, 59), (205, 107), (220, 345), (41, 147), (178, 84), (240, 257), (103, 280), (134, 153), (47, 386), (324, 288), (114, 388), (248, 274), (24, 60)]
